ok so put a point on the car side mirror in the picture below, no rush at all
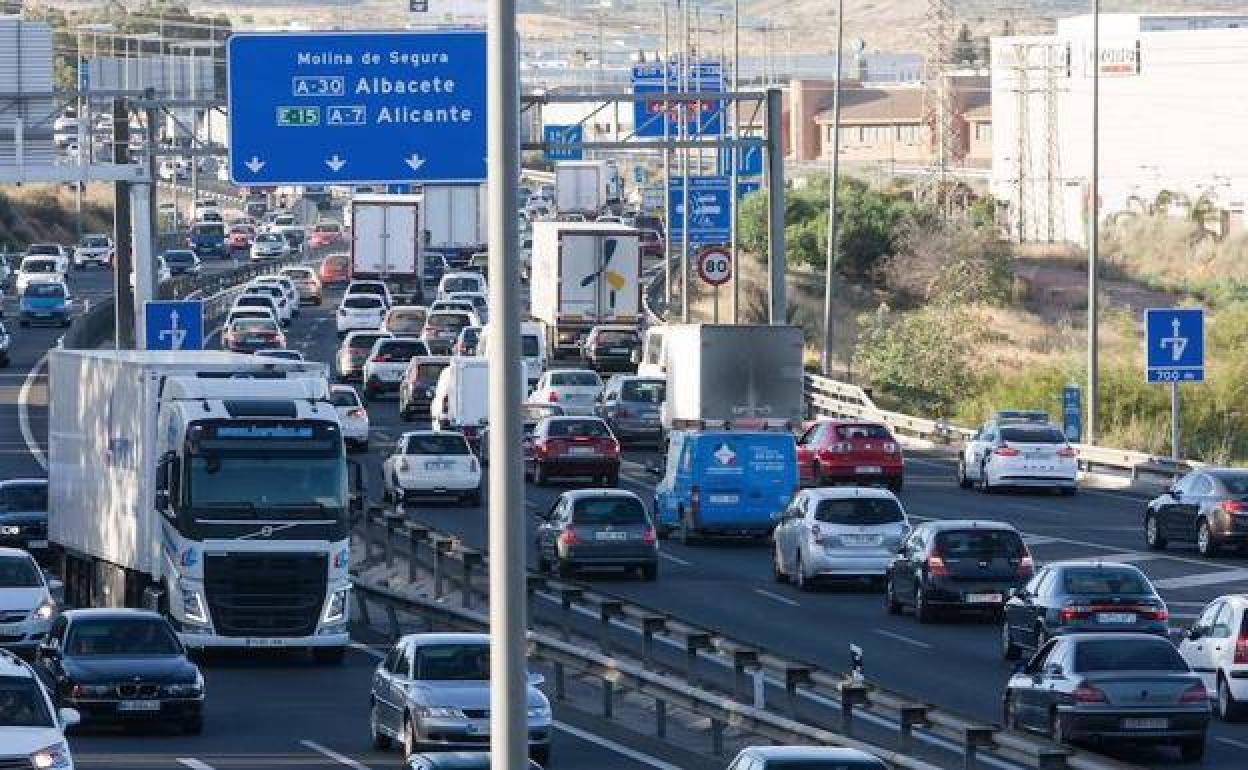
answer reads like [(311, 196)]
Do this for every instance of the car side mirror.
[(1194, 633), (69, 717)]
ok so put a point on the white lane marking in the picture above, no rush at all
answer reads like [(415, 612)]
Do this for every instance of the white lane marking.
[(1232, 742), (675, 559), (618, 748), (1203, 579), (902, 638), (23, 414), (776, 597), (194, 764), (1040, 539), (339, 758)]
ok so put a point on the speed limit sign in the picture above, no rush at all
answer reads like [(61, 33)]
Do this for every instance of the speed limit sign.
[(715, 266)]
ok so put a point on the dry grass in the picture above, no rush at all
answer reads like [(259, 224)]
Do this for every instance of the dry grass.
[(31, 213)]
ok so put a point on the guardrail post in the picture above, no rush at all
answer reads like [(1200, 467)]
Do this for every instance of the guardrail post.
[(1052, 759), (606, 611), (852, 695), (392, 536), (374, 523), (470, 561), (608, 693), (912, 716), (650, 625), (561, 684), (416, 534), (441, 548), (976, 738), (693, 643), (660, 718), (568, 596), (794, 676), (393, 616), (742, 660), (717, 737)]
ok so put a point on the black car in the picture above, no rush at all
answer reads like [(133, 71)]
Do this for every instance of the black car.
[(957, 565), (610, 348), (119, 665), (1110, 688), (1208, 507), (1078, 597), (455, 760), (24, 514), (597, 528)]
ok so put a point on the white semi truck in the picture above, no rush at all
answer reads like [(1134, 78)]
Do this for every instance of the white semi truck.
[(210, 486), (583, 274)]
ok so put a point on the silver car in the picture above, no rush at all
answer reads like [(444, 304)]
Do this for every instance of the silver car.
[(630, 404), (432, 691), (838, 532)]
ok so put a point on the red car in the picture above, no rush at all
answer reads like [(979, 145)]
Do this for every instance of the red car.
[(651, 244), (849, 451), (325, 234), (240, 237), (335, 269), (572, 447)]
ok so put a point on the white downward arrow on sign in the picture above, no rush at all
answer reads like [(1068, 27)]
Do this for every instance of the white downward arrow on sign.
[(254, 165), (335, 163), (415, 162)]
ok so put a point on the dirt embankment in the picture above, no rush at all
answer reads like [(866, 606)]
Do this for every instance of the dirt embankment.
[(36, 213)]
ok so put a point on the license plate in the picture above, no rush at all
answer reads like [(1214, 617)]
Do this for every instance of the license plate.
[(724, 499), (1115, 617), (37, 544), (254, 340), (868, 469), (1146, 724), (582, 450), (860, 539), (610, 535), (265, 643), (138, 705), (437, 466), (983, 598)]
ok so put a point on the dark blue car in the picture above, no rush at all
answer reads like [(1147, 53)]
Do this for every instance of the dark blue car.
[(46, 303), (207, 239)]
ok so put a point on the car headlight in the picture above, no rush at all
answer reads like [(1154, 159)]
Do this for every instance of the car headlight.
[(45, 610), (91, 690), (539, 712), (56, 755), (439, 712), (185, 689), (336, 607)]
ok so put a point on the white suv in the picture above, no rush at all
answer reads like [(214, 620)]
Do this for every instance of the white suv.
[(1019, 451), (32, 730), (387, 363), (1216, 647), (26, 604)]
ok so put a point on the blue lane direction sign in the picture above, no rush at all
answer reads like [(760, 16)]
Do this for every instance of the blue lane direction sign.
[(702, 118), (749, 161), (357, 108), (174, 325), (1175, 340), (566, 141), (747, 187), (710, 209), (1072, 413)]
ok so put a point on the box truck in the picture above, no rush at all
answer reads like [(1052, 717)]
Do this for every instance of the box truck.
[(209, 486), (583, 274), (586, 186), (455, 219), (387, 237)]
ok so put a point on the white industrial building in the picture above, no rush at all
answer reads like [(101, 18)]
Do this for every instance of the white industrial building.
[(1172, 117)]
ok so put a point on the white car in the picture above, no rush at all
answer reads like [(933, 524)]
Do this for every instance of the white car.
[(261, 301), (209, 206), (376, 288), (576, 390), (387, 363), (56, 250), (32, 730), (285, 354), (27, 607), (285, 284), (94, 249), (360, 311), (455, 283), (1216, 647), (431, 463), (162, 271), (352, 415), (285, 309), (1018, 451), (38, 270), (834, 532), (269, 246), (480, 303)]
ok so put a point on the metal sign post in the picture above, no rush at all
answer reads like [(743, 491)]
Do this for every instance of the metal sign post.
[(715, 268), (1174, 353)]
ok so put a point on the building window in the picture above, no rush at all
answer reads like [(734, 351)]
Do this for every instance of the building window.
[(908, 133), (983, 132)]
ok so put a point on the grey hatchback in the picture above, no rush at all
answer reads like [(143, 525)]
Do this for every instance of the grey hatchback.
[(597, 528), (630, 404)]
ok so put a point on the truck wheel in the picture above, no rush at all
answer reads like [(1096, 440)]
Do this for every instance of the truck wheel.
[(329, 656)]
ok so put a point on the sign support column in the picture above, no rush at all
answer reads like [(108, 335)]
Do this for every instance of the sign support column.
[(1175, 453), (777, 310)]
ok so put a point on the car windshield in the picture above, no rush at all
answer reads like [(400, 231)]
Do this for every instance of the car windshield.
[(571, 428), (644, 391), (530, 346), (452, 321), (613, 337), (269, 238), (819, 764), (433, 444), (371, 303), (1032, 434), (209, 229), (255, 300), (461, 284), (254, 325), (44, 248), (24, 497), (179, 256), (300, 274), (326, 228), (121, 636), (1127, 655), (314, 483), (362, 343), (335, 263), (971, 543), (402, 350), (367, 288), (343, 397), (45, 290), (95, 242), (867, 431), (454, 305), (451, 662), (22, 703), (19, 572), (406, 320), (1236, 483), (284, 221), (39, 266), (859, 511), (1104, 580), (610, 512), (575, 379), (238, 315)]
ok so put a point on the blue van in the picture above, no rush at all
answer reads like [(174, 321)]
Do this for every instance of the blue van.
[(725, 482), (46, 302), (207, 239)]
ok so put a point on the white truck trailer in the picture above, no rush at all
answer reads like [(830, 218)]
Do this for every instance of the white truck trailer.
[(584, 186), (387, 240), (455, 218), (583, 274), (209, 486)]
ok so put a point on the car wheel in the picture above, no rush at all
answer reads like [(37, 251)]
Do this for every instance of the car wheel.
[(1009, 650), (1152, 533), (1229, 709), (381, 741), (802, 582), (891, 603), (777, 573), (963, 481), (984, 486), (1206, 545), (1009, 712), (1060, 730), (923, 611), (1192, 749)]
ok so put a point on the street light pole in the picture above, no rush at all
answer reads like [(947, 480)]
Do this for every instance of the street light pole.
[(1094, 207), (834, 179), (736, 134)]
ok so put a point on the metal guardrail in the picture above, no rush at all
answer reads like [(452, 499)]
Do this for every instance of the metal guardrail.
[(809, 691)]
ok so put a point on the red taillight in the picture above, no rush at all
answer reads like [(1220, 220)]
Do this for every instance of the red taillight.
[(357, 412), (622, 412), (649, 537), (1066, 452), (380, 358), (936, 565), (1026, 567), (1234, 506), (609, 446), (1086, 693), (1195, 694), (1006, 451), (1073, 612), (1241, 648), (553, 397), (1154, 613), (569, 537)]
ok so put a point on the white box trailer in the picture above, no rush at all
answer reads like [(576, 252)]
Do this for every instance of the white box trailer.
[(581, 186), (387, 235), (455, 218), (583, 274)]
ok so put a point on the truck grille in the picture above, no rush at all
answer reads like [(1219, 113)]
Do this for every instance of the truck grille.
[(269, 594)]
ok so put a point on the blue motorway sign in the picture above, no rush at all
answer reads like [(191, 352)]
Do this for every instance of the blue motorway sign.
[(568, 138), (710, 209), (1072, 413), (702, 118), (1175, 344), (749, 161), (748, 186), (357, 108), (174, 325)]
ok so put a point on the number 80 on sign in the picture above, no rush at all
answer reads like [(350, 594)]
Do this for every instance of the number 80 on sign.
[(714, 266)]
